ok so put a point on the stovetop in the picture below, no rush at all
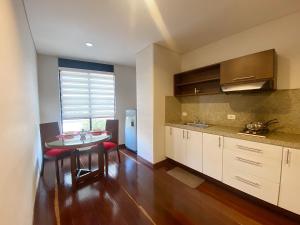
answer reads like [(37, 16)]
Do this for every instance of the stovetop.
[(260, 133)]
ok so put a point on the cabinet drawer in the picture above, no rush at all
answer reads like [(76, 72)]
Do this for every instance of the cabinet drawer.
[(256, 186), (266, 168), (252, 150)]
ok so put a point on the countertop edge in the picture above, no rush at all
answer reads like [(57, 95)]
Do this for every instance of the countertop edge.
[(276, 138)]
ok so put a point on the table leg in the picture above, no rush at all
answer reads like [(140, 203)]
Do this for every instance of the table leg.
[(90, 161), (73, 168), (101, 159)]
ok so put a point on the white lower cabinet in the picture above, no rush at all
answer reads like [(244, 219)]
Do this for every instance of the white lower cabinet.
[(212, 155), (169, 143), (289, 197), (184, 146), (265, 171), (179, 142), (194, 150), (253, 168)]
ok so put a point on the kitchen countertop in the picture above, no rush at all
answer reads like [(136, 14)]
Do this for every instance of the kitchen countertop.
[(273, 138)]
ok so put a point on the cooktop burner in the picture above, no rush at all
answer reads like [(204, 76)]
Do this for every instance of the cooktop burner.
[(260, 133)]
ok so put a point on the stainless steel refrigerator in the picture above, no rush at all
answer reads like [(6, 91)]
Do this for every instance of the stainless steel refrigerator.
[(130, 130)]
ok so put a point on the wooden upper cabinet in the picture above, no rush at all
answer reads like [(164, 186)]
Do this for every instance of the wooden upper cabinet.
[(255, 67), (201, 81)]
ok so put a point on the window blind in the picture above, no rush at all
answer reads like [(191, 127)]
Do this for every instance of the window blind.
[(87, 94)]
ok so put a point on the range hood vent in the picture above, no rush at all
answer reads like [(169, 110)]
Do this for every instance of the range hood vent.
[(244, 87)]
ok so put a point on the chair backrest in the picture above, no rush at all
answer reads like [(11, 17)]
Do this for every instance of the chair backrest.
[(113, 127), (48, 131)]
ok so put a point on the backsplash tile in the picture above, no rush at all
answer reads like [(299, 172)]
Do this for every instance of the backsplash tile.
[(213, 109), (172, 110)]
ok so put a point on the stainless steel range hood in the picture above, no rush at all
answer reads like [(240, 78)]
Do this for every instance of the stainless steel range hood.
[(244, 87)]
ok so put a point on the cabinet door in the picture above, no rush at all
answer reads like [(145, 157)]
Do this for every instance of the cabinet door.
[(179, 144), (212, 155), (169, 146), (289, 196), (258, 66), (194, 150)]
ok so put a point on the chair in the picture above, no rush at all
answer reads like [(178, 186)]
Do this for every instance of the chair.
[(49, 131), (112, 126)]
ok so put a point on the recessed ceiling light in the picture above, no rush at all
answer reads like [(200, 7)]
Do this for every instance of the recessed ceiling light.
[(88, 44)]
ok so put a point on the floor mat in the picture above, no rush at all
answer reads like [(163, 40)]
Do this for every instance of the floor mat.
[(185, 177)]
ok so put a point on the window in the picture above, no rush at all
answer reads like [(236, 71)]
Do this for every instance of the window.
[(87, 99)]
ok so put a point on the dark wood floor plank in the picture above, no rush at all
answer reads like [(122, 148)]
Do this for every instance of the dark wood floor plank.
[(135, 194)]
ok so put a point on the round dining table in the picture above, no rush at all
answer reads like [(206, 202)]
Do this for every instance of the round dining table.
[(81, 144)]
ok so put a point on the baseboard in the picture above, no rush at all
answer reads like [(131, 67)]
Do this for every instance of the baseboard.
[(152, 165), (144, 162), (37, 174), (160, 164), (122, 146)]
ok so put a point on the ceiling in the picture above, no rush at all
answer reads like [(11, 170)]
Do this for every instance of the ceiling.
[(121, 28)]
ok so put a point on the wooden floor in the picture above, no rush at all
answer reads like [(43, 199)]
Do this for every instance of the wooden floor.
[(136, 194)]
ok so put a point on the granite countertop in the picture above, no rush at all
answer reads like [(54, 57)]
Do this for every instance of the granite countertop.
[(274, 138)]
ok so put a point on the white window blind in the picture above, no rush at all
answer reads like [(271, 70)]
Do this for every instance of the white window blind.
[(87, 94)]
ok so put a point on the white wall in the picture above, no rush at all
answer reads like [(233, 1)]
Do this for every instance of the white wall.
[(19, 116), (144, 92), (282, 34), (49, 91), (48, 88), (125, 95), (156, 66), (166, 64)]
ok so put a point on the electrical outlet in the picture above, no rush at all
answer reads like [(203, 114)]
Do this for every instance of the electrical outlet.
[(231, 117), (184, 114)]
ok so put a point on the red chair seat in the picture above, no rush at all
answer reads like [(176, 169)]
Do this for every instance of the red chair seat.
[(55, 152), (108, 145)]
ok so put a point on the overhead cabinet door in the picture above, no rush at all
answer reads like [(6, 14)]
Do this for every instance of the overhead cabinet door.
[(254, 67)]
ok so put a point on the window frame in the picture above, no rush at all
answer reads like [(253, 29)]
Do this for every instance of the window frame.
[(60, 95)]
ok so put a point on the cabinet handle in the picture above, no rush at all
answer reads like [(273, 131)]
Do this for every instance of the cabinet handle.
[(170, 130), (249, 149), (248, 161), (183, 134), (187, 135), (253, 184), (243, 78), (287, 157), (219, 142)]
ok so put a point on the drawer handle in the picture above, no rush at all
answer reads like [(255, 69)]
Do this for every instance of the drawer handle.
[(243, 78), (243, 180), (249, 149), (248, 161), (288, 157)]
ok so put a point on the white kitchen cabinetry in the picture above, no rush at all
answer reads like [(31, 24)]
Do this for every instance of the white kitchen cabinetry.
[(289, 197), (194, 150), (179, 142), (169, 144), (253, 168), (212, 155), (184, 146), (265, 171), (175, 144)]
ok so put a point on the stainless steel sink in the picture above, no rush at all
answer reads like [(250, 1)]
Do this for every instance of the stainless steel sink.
[(200, 125)]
